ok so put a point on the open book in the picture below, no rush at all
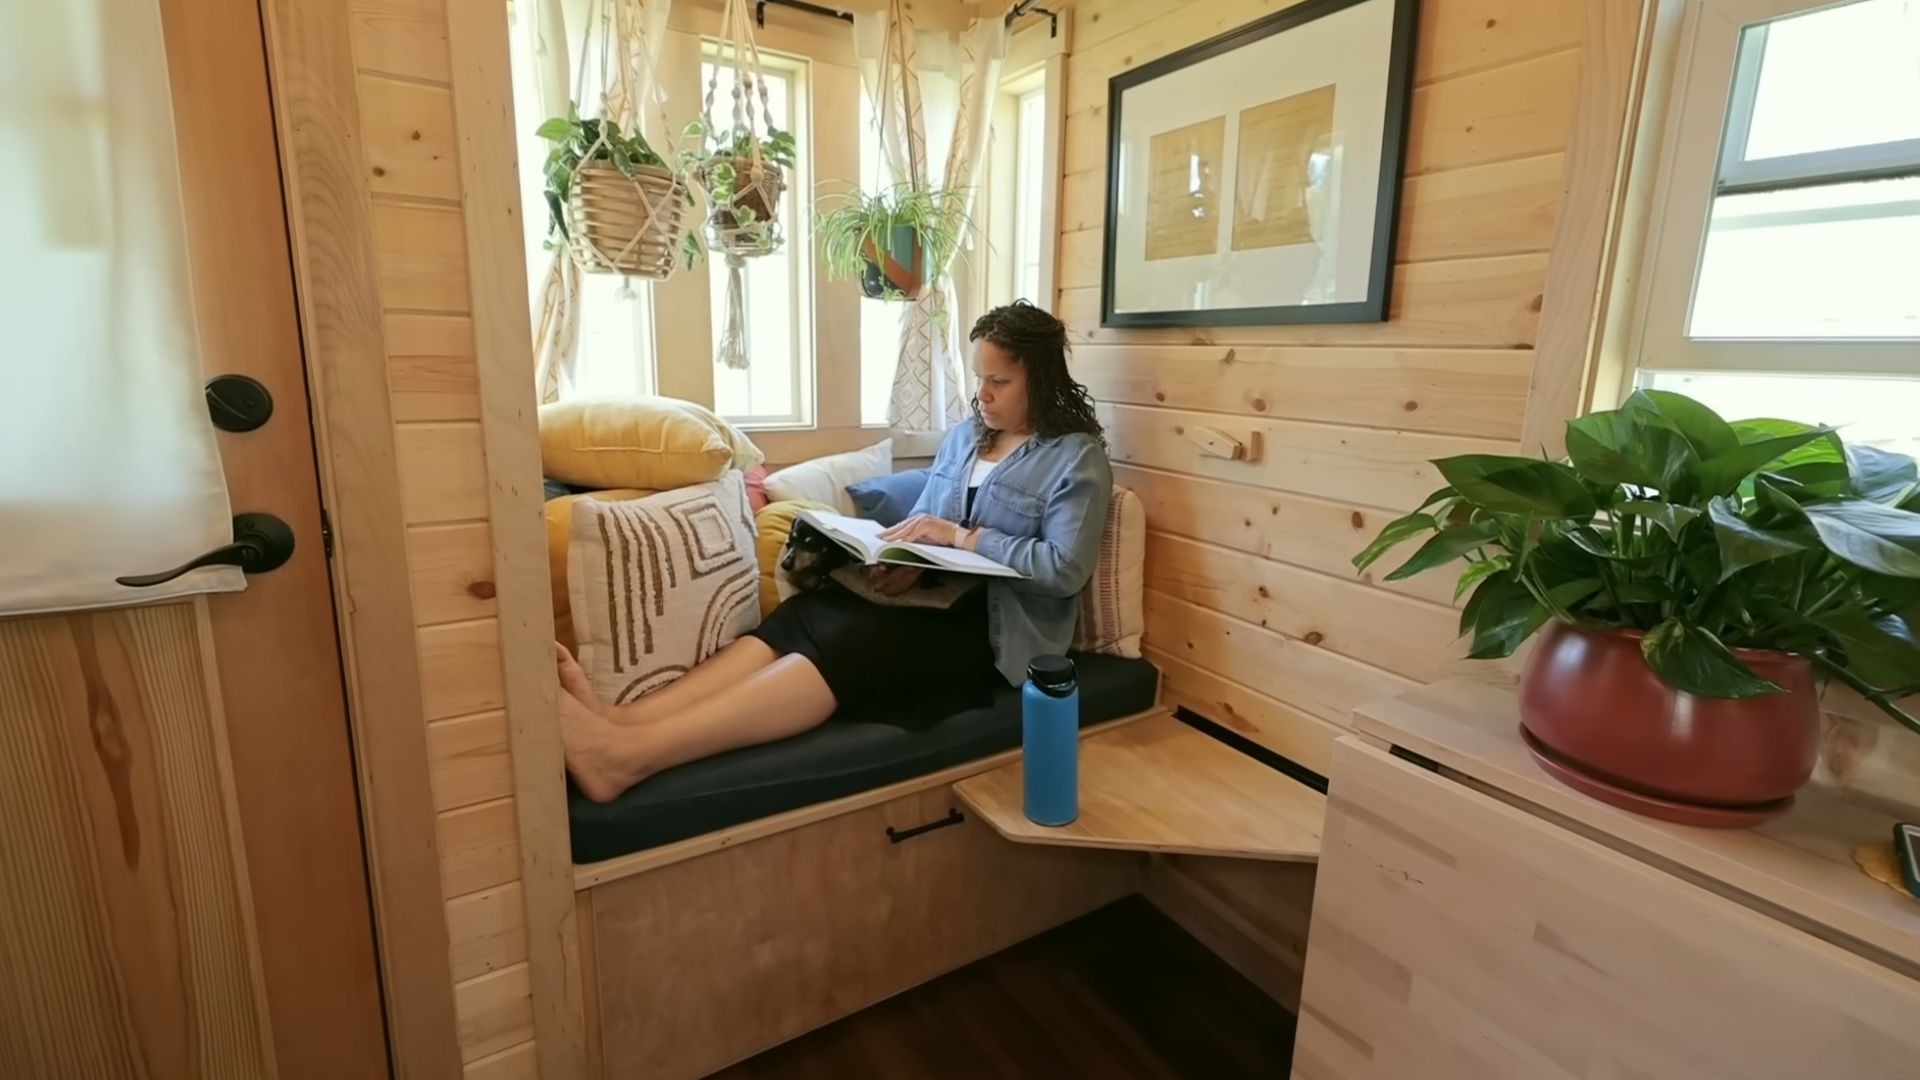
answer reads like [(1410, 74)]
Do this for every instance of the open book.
[(861, 538)]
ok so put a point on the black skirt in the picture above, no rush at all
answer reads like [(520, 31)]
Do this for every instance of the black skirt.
[(898, 665)]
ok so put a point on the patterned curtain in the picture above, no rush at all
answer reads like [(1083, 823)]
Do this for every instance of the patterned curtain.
[(621, 44), (929, 383)]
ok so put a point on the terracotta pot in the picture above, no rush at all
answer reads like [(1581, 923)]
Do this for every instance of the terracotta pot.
[(1589, 698), (898, 272)]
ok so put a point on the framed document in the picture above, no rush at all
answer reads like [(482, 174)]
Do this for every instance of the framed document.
[(1255, 178)]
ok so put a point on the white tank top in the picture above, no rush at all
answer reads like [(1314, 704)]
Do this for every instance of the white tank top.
[(981, 469)]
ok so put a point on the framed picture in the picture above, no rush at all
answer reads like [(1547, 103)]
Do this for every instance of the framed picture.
[(1255, 178)]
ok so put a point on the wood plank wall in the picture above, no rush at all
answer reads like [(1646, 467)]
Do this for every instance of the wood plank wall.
[(1253, 611), (411, 145)]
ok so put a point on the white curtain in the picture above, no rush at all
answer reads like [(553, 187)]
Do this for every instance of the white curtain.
[(108, 465), (617, 77), (929, 383)]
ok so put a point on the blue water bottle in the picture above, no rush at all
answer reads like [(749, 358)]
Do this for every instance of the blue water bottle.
[(1050, 731)]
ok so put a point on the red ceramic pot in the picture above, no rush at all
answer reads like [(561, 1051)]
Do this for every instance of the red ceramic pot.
[(1589, 698)]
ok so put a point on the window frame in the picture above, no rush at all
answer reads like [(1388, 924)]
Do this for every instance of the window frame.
[(799, 239), (1035, 63), (1712, 91)]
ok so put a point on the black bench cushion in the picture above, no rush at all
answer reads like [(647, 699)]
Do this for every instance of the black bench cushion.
[(844, 756)]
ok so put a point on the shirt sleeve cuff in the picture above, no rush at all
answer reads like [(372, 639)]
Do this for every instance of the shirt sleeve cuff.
[(993, 545)]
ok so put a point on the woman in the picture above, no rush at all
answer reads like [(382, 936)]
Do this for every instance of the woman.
[(1025, 483)]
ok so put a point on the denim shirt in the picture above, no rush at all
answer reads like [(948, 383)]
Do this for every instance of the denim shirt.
[(1041, 511)]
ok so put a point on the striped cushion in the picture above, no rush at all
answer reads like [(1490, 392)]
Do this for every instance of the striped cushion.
[(1112, 606), (660, 583)]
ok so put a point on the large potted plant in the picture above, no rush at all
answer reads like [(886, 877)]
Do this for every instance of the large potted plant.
[(893, 241), (1693, 579)]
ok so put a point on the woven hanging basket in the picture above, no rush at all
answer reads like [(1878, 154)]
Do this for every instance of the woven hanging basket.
[(757, 187), (621, 226)]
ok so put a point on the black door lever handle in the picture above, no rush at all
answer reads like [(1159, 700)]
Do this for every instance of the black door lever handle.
[(261, 542)]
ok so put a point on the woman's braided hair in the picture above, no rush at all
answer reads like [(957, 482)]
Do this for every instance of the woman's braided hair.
[(1056, 405)]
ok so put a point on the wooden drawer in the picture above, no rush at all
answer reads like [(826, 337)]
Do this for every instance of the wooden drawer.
[(700, 963), (1454, 935)]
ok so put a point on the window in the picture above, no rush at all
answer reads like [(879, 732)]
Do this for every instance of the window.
[(776, 389), (616, 317), (1029, 172), (1782, 267)]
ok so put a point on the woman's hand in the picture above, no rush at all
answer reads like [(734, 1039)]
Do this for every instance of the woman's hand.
[(894, 580), (927, 529)]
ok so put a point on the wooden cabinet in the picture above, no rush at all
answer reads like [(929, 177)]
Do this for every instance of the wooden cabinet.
[(1457, 934)]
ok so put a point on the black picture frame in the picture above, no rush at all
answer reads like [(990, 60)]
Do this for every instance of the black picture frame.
[(1399, 91)]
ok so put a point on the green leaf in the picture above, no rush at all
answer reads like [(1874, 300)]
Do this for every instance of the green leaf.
[(1393, 533), (1723, 473), (1447, 545), (1593, 543), (1881, 475), (1880, 648), (1651, 591), (1669, 516), (1621, 448), (1692, 659), (1743, 544), (1506, 616), (1703, 429), (1478, 572), (1517, 485), (555, 130), (1878, 538), (1488, 588)]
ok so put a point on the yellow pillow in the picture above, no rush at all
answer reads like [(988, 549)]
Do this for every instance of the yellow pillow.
[(559, 519), (653, 443), (771, 526)]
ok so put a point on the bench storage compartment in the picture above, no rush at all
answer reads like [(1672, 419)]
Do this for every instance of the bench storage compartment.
[(699, 963)]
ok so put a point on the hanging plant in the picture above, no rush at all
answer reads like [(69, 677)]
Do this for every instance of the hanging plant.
[(891, 240), (614, 201), (745, 177)]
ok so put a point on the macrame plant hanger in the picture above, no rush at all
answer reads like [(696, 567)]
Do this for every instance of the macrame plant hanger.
[(626, 218), (745, 226)]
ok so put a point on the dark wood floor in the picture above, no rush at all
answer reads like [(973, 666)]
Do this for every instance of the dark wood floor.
[(1120, 993)]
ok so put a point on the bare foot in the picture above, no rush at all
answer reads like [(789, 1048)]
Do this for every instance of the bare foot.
[(589, 743), (573, 679)]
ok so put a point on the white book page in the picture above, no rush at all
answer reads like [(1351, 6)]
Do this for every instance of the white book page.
[(865, 535)]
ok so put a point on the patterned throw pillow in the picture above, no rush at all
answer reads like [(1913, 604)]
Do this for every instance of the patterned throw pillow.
[(660, 583), (1113, 605)]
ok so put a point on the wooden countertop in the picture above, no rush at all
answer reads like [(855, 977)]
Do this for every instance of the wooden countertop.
[(1798, 866), (1156, 784)]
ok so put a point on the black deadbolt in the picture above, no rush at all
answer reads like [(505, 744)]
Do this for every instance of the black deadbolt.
[(238, 402)]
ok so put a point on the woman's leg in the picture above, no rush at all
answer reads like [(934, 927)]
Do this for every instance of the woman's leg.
[(717, 672), (783, 698)]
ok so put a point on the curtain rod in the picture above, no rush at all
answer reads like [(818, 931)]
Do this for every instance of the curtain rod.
[(1024, 7)]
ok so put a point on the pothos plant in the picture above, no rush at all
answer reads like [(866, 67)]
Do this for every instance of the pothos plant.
[(1704, 534), (578, 140), (724, 163)]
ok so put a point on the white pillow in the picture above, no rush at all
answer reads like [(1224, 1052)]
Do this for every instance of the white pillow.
[(660, 583), (825, 480)]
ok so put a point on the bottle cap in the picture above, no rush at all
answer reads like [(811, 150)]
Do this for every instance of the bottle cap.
[(1051, 673)]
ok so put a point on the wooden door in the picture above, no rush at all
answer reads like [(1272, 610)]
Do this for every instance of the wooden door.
[(183, 888)]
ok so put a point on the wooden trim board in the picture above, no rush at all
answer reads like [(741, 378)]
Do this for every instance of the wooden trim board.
[(1586, 239), (316, 108), (496, 279), (1158, 785)]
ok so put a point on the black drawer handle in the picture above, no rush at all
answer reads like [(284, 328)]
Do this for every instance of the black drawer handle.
[(954, 817)]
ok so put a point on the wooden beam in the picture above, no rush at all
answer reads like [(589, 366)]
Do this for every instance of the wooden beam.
[(497, 284), (331, 221)]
